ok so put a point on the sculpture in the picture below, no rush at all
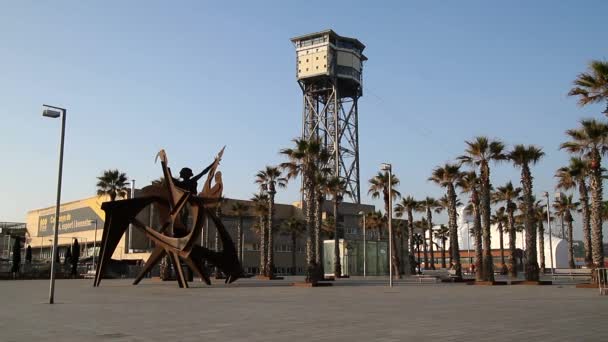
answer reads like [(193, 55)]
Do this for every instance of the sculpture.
[(173, 238)]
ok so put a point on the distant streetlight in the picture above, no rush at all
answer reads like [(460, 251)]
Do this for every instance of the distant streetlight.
[(55, 112), (364, 246), (389, 168)]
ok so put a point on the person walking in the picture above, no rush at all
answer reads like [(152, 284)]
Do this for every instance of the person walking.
[(75, 257)]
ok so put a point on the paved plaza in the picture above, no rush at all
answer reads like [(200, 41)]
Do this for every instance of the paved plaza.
[(256, 310)]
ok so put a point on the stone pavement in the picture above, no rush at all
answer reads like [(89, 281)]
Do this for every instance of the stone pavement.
[(255, 310)]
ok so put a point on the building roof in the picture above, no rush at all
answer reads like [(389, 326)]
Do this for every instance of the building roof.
[(331, 33)]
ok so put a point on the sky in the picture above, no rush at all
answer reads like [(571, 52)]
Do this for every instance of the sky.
[(193, 76)]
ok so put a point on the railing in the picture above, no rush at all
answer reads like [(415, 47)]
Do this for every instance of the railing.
[(602, 280)]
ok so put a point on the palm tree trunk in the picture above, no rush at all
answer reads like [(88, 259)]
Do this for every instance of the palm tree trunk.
[(541, 245), (503, 265), (532, 271), (410, 223), (270, 261), (596, 211), (262, 245), (318, 225), (429, 218), (310, 250), (405, 255), (395, 263), (584, 199), (294, 241), (570, 241), (488, 262), (424, 250), (239, 237), (478, 240), (561, 220), (453, 227), (512, 234), (337, 264), (443, 265)]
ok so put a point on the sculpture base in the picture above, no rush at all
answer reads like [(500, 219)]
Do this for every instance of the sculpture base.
[(262, 277), (530, 282), (317, 284), (488, 283)]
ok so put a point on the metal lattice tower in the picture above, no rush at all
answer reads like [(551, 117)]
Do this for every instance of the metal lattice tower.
[(329, 71)]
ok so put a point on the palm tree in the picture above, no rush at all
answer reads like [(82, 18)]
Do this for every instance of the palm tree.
[(322, 175), (418, 240), (592, 86), (239, 209), (591, 140), (423, 225), (408, 205), (443, 233), (337, 188), (479, 153), (469, 184), (112, 183), (447, 176), (569, 177), (379, 186), (508, 194), (560, 210), (566, 206), (499, 219), (269, 179), (303, 161), (293, 227), (523, 156), (260, 207), (540, 210), (375, 223), (428, 206)]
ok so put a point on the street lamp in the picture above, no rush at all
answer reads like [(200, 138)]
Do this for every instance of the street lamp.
[(130, 234), (550, 234), (389, 168), (94, 243), (364, 246), (55, 112)]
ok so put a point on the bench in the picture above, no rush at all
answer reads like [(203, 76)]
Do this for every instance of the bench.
[(572, 273), (439, 274)]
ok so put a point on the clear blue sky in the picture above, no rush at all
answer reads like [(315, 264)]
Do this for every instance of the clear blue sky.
[(190, 77)]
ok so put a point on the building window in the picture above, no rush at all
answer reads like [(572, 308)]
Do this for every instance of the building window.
[(317, 58), (306, 60)]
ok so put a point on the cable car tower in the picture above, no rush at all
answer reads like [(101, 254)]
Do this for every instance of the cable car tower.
[(329, 71)]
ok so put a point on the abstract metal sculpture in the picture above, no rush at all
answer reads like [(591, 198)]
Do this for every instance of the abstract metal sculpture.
[(173, 238)]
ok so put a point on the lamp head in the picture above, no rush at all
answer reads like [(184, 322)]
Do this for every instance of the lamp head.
[(385, 167), (51, 113), (361, 213)]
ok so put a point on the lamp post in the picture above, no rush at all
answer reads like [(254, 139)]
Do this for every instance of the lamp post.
[(130, 234), (389, 168), (94, 243), (364, 246), (55, 112), (550, 234)]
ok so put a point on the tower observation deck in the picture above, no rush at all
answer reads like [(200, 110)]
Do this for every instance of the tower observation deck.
[(329, 70)]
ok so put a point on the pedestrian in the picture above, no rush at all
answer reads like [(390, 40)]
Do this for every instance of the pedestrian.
[(75, 257), (16, 257)]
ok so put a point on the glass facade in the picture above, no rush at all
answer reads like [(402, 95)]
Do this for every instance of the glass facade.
[(352, 257)]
